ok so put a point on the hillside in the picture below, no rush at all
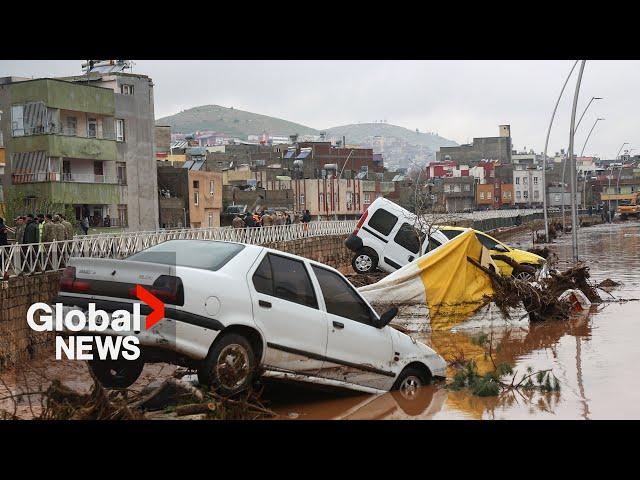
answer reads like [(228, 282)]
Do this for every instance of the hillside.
[(233, 122), (362, 133)]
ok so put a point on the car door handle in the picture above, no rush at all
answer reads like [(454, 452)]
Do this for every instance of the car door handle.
[(338, 325), (264, 304), (411, 257)]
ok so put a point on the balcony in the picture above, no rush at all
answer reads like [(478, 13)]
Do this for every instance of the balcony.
[(72, 193), (59, 144), (20, 178)]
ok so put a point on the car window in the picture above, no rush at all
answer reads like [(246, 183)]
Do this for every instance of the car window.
[(451, 233), (285, 278), (407, 237), (204, 254), (340, 297), (432, 245), (486, 241), (383, 221)]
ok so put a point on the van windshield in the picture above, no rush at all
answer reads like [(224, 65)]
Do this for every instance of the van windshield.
[(202, 254)]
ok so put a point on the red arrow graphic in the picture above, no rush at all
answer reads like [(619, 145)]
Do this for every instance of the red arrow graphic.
[(157, 306)]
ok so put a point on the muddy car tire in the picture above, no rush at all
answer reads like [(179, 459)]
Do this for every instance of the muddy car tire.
[(525, 275), (365, 261), (410, 395), (118, 373), (230, 366)]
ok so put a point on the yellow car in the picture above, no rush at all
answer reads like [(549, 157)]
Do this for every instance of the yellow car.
[(497, 248)]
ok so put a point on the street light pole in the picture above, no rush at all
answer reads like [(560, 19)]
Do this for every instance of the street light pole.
[(544, 157), (619, 172), (564, 163), (584, 183), (572, 131)]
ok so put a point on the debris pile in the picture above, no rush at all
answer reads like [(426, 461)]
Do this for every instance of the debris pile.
[(179, 397), (540, 299)]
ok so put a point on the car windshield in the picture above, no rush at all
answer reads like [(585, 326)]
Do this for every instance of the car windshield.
[(202, 254), (451, 233)]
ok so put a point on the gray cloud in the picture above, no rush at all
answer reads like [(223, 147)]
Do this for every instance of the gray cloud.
[(457, 99)]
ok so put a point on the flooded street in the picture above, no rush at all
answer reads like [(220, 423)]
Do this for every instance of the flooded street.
[(593, 355)]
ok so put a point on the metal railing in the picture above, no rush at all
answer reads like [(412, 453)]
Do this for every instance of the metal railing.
[(35, 258), (63, 177)]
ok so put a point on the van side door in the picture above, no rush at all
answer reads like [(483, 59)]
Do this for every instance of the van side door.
[(376, 234), (403, 247)]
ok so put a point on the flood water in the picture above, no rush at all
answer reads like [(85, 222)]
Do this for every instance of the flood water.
[(594, 355)]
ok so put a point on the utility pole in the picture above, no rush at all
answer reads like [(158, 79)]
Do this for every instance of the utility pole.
[(544, 157), (572, 160)]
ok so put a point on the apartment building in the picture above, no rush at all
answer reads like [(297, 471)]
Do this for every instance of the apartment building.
[(528, 188), (83, 141)]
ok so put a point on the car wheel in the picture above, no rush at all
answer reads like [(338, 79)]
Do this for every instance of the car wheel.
[(118, 373), (365, 261), (409, 394), (524, 275), (230, 365)]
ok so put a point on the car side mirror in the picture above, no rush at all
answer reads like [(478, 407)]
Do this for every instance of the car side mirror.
[(386, 317)]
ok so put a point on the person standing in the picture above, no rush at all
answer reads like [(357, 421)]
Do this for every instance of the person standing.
[(31, 234), (59, 232), (41, 221), (287, 219), (278, 219), (237, 222), (306, 216), (267, 220), (20, 224), (84, 224), (68, 228), (249, 221), (3, 233), (48, 230)]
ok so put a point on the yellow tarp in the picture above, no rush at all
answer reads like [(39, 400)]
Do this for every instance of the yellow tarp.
[(451, 286)]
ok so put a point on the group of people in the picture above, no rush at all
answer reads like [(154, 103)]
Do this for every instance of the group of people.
[(265, 219), (42, 228)]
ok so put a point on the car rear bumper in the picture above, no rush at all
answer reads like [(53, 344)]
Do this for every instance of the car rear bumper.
[(353, 243)]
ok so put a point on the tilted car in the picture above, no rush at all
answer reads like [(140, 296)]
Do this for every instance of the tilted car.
[(497, 248), (386, 237), (235, 312)]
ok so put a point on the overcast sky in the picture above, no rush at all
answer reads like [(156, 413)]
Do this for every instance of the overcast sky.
[(456, 99)]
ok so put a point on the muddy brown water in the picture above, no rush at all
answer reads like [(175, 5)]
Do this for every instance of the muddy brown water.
[(594, 355)]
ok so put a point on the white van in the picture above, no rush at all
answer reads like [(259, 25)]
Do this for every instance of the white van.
[(386, 238)]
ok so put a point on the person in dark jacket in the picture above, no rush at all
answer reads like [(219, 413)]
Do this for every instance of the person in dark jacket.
[(306, 216), (31, 234), (249, 221), (3, 233)]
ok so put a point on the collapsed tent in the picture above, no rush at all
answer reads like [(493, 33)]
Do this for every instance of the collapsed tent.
[(443, 279)]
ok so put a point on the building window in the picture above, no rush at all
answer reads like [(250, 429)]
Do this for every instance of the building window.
[(196, 184), (196, 198), (123, 217), (210, 219), (467, 188), (524, 180), (126, 89), (557, 197), (71, 127), (488, 195), (367, 198), (119, 130), (525, 194), (481, 195), (536, 194), (17, 120), (518, 194), (92, 127), (212, 187), (535, 180), (302, 199), (121, 172), (517, 180), (321, 201)]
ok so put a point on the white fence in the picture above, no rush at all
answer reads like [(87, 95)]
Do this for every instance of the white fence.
[(34, 258)]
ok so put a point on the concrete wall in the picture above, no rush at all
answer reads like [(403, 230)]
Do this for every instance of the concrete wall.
[(18, 343)]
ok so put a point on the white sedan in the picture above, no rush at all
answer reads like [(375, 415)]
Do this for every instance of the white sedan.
[(235, 312)]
